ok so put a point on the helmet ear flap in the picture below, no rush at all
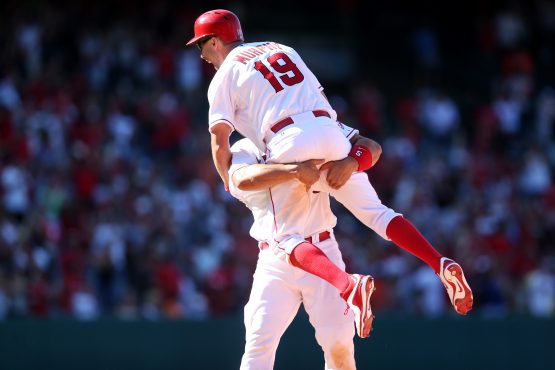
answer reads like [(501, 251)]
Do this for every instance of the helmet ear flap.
[(219, 23)]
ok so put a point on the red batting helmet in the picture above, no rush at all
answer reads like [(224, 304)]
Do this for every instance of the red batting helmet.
[(219, 23)]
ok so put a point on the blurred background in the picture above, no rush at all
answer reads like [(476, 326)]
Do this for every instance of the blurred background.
[(111, 209)]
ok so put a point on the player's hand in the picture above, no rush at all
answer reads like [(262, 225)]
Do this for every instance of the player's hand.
[(308, 172), (339, 171)]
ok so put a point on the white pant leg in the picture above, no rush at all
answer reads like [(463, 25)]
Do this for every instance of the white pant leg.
[(334, 329), (360, 198), (308, 138), (273, 303)]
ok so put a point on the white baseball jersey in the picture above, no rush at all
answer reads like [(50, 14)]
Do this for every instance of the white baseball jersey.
[(259, 84)]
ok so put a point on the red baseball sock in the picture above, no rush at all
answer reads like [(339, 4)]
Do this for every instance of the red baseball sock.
[(403, 233), (311, 259)]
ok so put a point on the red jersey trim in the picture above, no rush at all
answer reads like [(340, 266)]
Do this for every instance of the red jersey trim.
[(214, 123)]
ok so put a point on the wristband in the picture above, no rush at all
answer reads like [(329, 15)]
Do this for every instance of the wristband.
[(363, 156)]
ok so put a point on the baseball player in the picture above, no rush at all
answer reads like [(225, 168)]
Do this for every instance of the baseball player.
[(266, 92), (278, 288)]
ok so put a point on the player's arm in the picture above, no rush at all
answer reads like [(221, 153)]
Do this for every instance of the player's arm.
[(263, 176), (374, 147), (221, 152), (364, 154)]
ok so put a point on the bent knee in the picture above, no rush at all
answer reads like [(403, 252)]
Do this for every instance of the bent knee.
[(342, 356)]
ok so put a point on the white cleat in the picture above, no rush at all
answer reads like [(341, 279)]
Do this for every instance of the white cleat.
[(359, 302), (452, 277)]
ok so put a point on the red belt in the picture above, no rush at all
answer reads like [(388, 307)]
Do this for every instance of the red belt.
[(324, 235), (289, 121)]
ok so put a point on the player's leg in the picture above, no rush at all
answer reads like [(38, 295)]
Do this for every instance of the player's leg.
[(272, 305), (405, 235), (356, 294), (357, 194), (333, 325), (313, 260), (360, 198), (309, 258)]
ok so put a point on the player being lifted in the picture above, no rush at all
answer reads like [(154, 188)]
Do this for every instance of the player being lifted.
[(264, 91)]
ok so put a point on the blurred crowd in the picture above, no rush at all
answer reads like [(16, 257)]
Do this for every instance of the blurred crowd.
[(110, 204)]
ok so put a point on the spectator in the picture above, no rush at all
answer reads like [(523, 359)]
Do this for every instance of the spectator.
[(108, 205), (540, 289)]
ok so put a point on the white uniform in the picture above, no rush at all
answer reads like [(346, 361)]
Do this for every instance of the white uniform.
[(259, 85), (244, 90), (278, 288)]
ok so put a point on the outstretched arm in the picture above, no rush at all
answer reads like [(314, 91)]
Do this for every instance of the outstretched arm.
[(221, 152)]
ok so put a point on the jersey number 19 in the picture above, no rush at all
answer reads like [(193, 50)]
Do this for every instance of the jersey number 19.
[(282, 64)]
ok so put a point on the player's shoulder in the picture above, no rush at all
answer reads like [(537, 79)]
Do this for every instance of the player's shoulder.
[(248, 51), (256, 44), (222, 77), (218, 79)]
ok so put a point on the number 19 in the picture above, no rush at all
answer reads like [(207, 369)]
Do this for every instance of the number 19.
[(281, 63)]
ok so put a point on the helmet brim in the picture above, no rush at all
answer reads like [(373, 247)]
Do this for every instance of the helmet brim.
[(196, 39)]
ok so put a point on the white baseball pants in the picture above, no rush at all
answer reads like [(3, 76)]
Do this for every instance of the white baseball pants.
[(278, 290)]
